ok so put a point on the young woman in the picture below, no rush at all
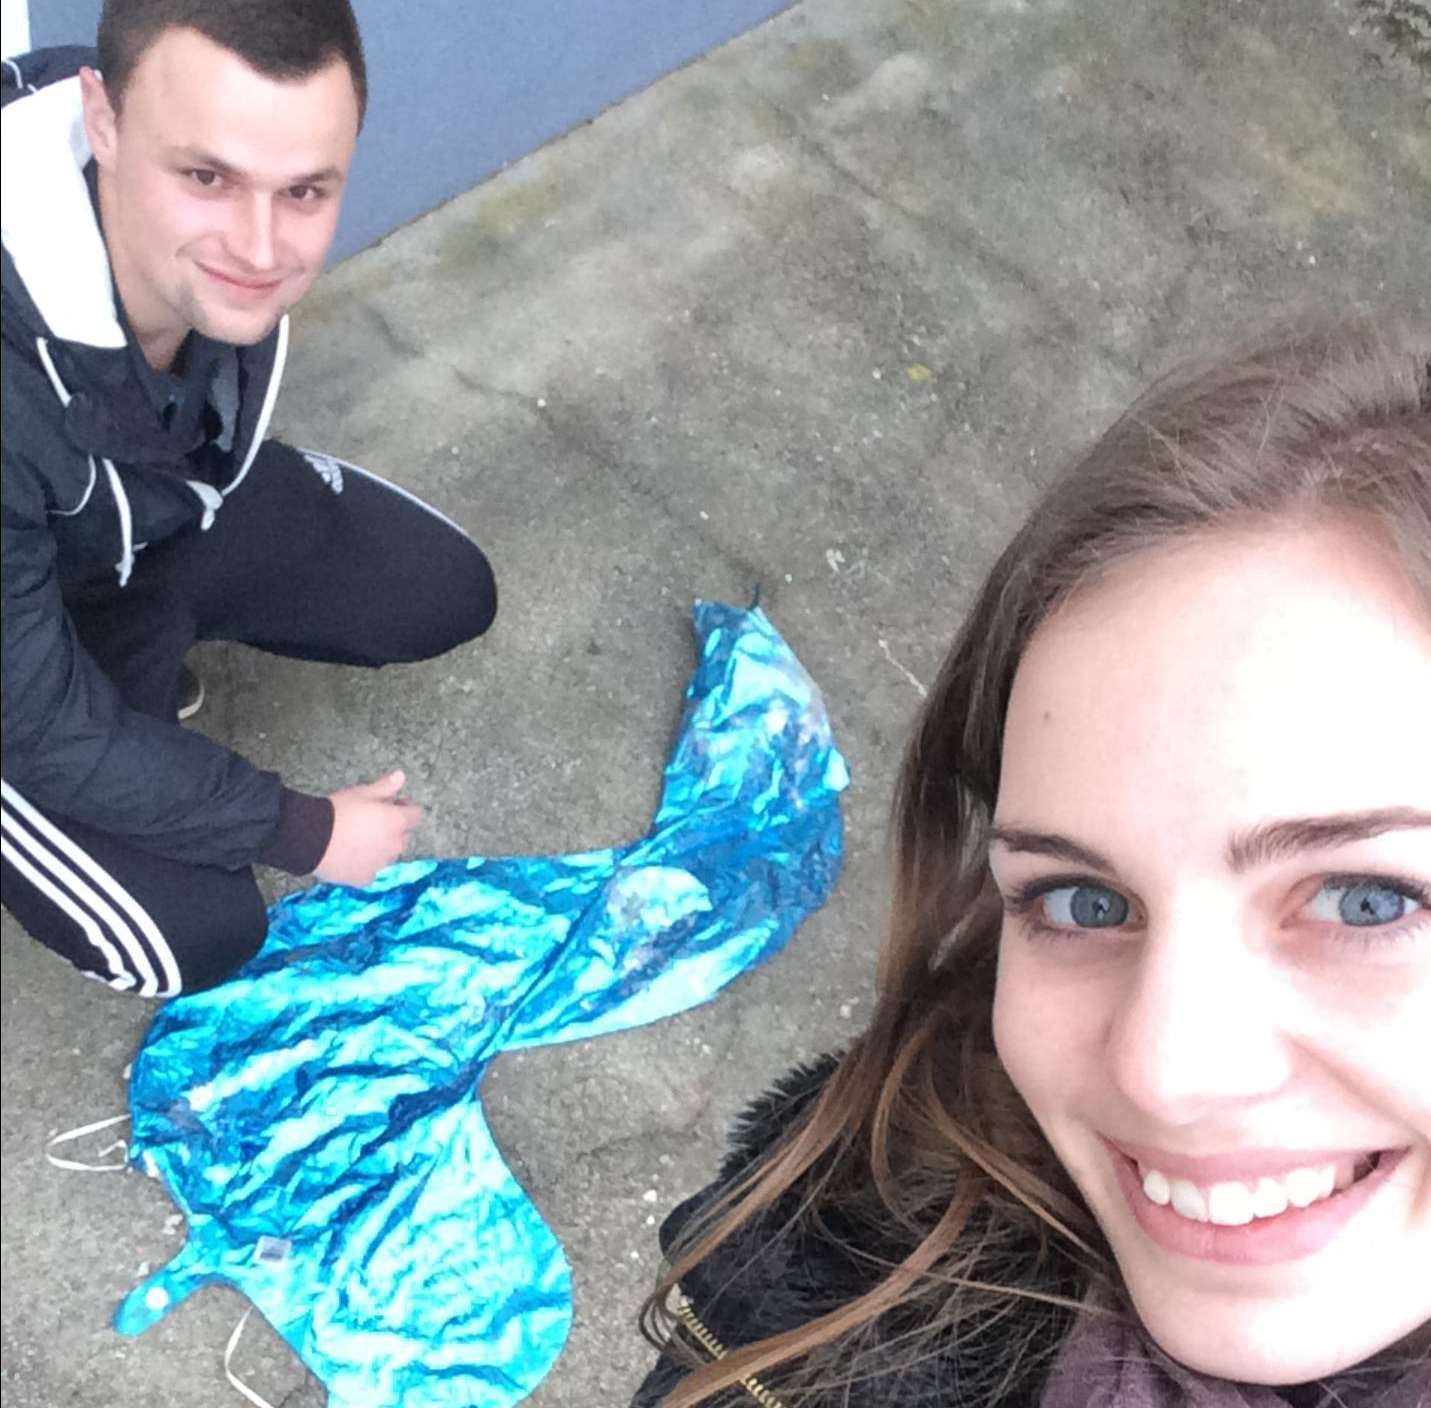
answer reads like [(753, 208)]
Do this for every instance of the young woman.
[(1143, 1116)]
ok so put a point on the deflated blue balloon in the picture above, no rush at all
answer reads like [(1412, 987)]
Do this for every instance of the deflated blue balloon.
[(318, 1119)]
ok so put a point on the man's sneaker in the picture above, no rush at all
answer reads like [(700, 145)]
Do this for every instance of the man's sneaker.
[(191, 693)]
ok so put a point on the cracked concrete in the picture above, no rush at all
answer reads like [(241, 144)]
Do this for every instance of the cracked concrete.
[(817, 313)]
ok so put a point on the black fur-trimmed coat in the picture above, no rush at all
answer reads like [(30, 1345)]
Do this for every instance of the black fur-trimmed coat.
[(774, 1275)]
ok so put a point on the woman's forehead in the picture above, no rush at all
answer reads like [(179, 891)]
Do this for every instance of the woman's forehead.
[(1233, 678)]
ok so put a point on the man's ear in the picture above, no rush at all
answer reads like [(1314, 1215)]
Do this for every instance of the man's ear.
[(101, 124)]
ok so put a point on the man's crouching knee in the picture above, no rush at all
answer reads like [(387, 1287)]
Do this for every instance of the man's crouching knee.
[(217, 946)]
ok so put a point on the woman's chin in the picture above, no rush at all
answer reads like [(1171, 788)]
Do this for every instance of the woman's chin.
[(1243, 1360), (1270, 1344)]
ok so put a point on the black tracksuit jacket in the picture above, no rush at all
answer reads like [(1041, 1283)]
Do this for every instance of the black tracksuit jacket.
[(93, 473)]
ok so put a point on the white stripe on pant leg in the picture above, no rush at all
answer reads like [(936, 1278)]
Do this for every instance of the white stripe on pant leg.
[(42, 857), (118, 978), (112, 888), (122, 984), (396, 489)]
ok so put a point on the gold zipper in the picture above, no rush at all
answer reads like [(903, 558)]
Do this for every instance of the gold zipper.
[(717, 1350)]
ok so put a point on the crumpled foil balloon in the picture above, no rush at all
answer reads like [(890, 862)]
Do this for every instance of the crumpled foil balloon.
[(317, 1118)]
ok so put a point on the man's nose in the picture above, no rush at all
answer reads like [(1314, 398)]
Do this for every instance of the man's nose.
[(252, 239), (1202, 1027)]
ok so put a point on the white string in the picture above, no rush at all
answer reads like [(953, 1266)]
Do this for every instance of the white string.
[(70, 1135), (233, 1378)]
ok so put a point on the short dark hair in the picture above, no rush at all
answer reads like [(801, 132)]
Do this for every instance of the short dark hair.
[(280, 38)]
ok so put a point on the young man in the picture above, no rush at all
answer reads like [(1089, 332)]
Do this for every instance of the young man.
[(161, 213)]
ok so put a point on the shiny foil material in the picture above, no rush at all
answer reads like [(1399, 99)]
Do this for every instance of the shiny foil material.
[(318, 1119)]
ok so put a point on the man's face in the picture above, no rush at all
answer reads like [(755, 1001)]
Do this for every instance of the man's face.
[(219, 188)]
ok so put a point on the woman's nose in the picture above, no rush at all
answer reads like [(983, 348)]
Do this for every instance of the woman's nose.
[(1202, 1026)]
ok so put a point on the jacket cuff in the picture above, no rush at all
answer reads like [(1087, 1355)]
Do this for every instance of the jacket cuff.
[(305, 826)]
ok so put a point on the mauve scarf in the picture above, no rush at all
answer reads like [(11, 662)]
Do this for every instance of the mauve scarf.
[(1111, 1363)]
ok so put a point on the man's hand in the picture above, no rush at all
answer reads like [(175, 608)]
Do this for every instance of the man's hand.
[(370, 825)]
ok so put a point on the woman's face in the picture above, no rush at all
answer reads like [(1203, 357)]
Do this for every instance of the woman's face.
[(1214, 846)]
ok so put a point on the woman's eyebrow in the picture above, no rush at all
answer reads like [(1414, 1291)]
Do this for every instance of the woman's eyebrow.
[(1048, 843), (1270, 841), (1275, 840)]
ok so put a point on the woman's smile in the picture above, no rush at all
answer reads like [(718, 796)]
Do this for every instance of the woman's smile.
[(1262, 1217)]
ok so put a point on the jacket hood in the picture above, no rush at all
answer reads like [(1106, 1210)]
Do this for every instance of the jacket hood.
[(56, 276)]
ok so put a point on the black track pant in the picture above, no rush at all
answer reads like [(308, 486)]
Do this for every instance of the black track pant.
[(310, 557)]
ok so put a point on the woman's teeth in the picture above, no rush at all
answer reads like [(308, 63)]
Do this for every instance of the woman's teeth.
[(1236, 1204)]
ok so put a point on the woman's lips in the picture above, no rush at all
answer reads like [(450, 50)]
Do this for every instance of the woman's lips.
[(1243, 1165), (1297, 1232)]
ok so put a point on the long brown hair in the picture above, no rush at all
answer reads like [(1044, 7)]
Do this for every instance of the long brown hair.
[(919, 1115)]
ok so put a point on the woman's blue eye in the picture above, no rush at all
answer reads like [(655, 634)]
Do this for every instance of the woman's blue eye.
[(1085, 907), (1362, 904)]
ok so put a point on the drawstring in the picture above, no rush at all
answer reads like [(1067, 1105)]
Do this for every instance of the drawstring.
[(265, 414), (61, 390), (126, 524), (211, 499), (125, 566)]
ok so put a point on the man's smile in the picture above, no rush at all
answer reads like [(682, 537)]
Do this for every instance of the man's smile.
[(242, 284)]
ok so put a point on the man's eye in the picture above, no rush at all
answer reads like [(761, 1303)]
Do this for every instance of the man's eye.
[(1363, 903), (305, 194), (204, 178), (1085, 907)]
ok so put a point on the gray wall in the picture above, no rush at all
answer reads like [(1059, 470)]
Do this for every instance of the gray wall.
[(458, 88)]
